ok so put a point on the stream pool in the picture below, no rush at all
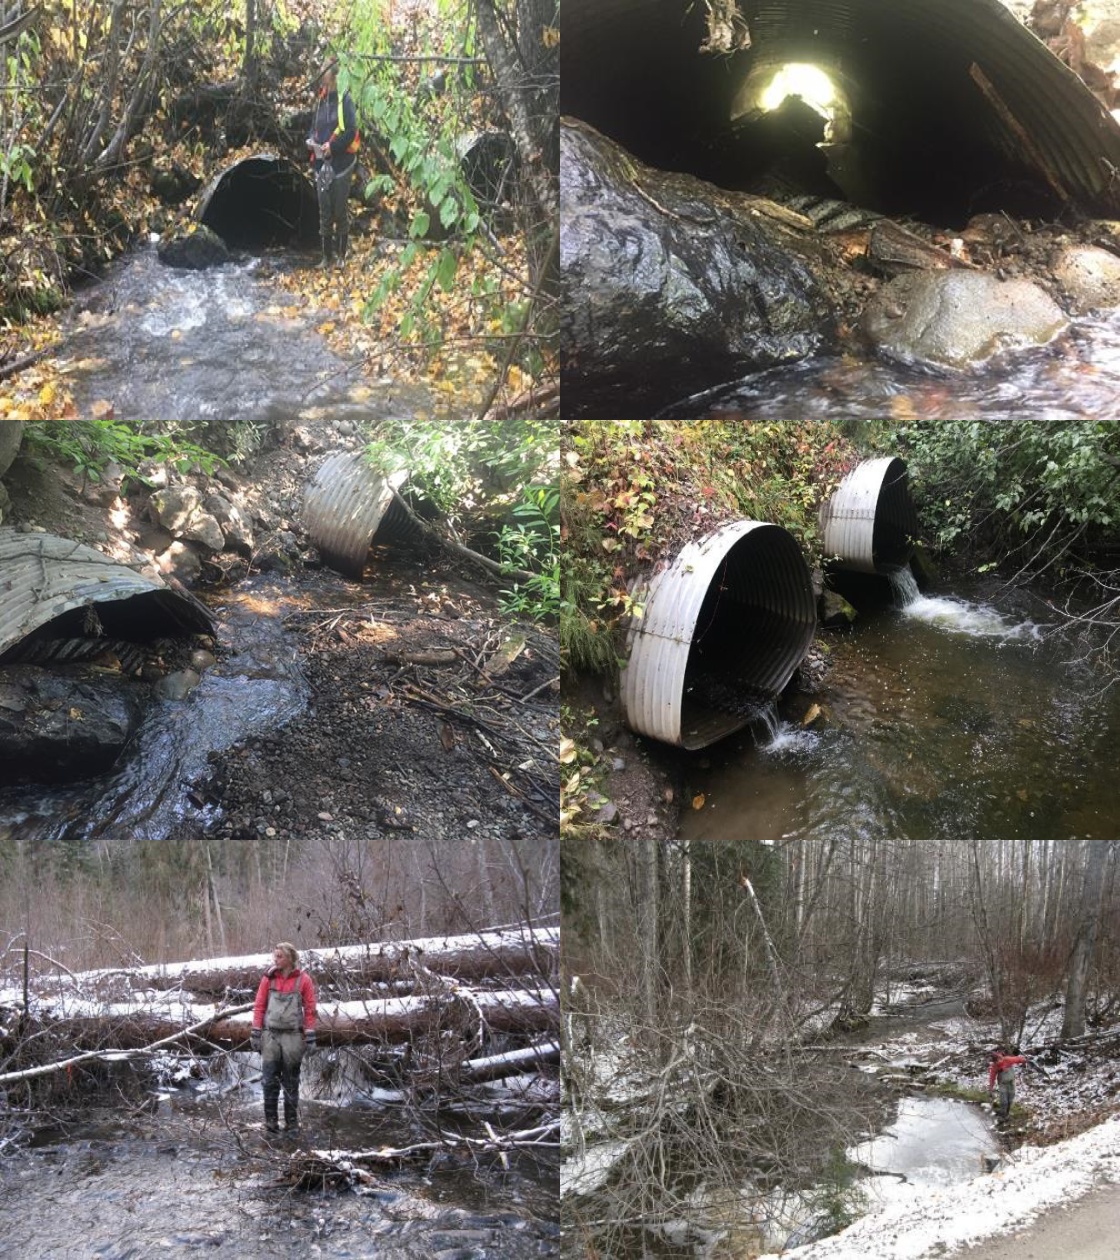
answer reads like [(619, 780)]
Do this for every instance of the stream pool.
[(932, 1142), (962, 714)]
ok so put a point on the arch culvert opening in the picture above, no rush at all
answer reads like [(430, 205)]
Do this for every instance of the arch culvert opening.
[(870, 524), (932, 111), (723, 630), (261, 202)]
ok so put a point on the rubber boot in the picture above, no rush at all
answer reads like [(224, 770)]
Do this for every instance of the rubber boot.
[(291, 1117), (343, 249), (328, 254), (271, 1117)]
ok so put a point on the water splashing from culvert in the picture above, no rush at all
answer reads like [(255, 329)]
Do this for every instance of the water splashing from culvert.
[(957, 616), (775, 736)]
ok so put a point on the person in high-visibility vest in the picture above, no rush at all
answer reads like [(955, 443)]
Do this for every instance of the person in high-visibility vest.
[(333, 146)]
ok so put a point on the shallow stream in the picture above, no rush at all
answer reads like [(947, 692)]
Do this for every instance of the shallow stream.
[(255, 686), (961, 714), (228, 344), (1075, 379), (190, 1173)]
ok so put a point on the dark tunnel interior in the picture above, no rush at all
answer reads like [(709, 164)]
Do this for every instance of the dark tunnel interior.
[(932, 104), (262, 202)]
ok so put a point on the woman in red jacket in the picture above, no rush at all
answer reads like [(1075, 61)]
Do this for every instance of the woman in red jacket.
[(1001, 1068), (283, 1028)]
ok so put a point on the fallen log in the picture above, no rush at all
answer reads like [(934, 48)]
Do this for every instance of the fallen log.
[(393, 1021), (532, 951), (497, 1067)]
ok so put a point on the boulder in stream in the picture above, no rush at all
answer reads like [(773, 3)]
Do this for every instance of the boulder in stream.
[(959, 319), (672, 284), (193, 250), (63, 724), (1089, 278)]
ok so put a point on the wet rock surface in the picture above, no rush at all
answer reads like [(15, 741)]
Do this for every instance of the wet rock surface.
[(11, 435), (1088, 278), (194, 251), (959, 319), (672, 283), (64, 723)]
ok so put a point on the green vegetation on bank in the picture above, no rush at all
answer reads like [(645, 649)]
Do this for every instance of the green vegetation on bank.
[(634, 491)]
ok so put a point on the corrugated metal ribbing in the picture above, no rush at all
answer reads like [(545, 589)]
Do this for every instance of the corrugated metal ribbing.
[(870, 523), (345, 504), (44, 578), (723, 627)]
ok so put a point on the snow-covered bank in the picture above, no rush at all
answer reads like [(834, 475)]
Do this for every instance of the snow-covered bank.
[(918, 1223)]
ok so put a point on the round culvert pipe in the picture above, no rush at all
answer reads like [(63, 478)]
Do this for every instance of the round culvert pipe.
[(348, 506), (870, 523), (721, 631)]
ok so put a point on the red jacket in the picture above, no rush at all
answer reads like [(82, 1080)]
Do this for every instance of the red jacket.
[(998, 1065), (285, 984)]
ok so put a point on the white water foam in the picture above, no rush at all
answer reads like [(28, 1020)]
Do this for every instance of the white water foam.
[(958, 616), (777, 736)]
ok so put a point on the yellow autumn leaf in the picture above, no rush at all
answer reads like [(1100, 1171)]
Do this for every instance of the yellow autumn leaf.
[(102, 409), (75, 715), (550, 36), (698, 801)]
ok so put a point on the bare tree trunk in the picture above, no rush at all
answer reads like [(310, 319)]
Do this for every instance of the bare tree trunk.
[(530, 128), (1073, 1022)]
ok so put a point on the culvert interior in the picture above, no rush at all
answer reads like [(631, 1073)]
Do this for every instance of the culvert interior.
[(723, 630), (937, 111), (261, 202), (869, 525)]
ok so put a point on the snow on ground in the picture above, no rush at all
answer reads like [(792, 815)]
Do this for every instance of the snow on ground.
[(929, 1222)]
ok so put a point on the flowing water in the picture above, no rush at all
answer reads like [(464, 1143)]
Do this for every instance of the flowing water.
[(1075, 379), (254, 687), (962, 715), (229, 343)]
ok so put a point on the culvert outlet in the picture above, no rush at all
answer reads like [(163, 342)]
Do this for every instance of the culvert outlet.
[(870, 523), (937, 109), (62, 601), (261, 201), (722, 630), (348, 506)]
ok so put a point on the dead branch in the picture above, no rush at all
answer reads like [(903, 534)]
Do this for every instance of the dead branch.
[(458, 548), (45, 1069)]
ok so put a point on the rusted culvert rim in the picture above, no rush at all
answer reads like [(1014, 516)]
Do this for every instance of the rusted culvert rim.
[(732, 616), (348, 505), (57, 589), (870, 523)]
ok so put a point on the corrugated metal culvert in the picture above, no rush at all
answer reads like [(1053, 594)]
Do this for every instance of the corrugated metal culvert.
[(870, 523), (346, 505), (954, 105), (722, 630), (57, 589)]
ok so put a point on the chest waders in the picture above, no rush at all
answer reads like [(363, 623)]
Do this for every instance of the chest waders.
[(1006, 1082), (281, 1056)]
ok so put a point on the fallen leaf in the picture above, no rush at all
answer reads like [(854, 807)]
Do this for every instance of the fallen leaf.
[(567, 751), (698, 801), (811, 714)]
